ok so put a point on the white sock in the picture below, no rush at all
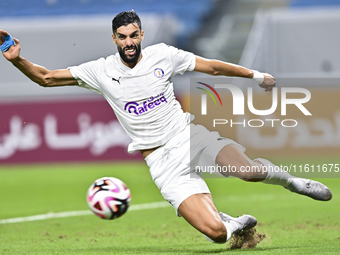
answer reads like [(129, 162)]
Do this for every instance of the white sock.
[(275, 175), (231, 227)]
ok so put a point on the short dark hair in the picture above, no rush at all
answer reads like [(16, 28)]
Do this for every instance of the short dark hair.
[(124, 19)]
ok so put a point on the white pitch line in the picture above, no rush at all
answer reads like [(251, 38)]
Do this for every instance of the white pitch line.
[(52, 215)]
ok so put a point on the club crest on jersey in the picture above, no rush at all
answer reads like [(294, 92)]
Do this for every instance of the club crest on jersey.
[(158, 72), (151, 103)]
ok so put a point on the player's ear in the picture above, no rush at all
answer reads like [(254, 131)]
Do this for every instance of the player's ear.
[(142, 35), (114, 39)]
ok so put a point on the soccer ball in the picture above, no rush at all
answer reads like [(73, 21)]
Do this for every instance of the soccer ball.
[(109, 198)]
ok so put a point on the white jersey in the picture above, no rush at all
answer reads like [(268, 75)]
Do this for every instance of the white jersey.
[(142, 97)]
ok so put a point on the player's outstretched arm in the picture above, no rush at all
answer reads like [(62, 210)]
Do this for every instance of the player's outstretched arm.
[(216, 67), (38, 74)]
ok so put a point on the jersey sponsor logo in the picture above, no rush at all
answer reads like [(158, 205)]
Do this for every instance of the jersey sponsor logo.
[(158, 72), (151, 103)]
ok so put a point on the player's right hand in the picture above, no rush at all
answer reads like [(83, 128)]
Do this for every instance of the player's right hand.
[(13, 52)]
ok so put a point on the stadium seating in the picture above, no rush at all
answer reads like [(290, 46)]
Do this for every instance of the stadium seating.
[(313, 3), (188, 12)]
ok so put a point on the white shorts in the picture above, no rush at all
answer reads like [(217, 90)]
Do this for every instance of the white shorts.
[(172, 166)]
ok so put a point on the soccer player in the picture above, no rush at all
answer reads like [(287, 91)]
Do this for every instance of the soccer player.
[(137, 84)]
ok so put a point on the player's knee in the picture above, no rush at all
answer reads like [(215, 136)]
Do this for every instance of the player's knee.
[(217, 232)]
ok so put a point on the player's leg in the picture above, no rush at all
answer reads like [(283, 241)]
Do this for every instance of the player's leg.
[(264, 171), (188, 193), (307, 187), (200, 212), (237, 164)]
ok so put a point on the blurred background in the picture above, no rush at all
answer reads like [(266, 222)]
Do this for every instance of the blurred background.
[(297, 41)]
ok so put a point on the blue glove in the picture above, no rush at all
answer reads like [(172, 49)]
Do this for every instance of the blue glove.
[(8, 43)]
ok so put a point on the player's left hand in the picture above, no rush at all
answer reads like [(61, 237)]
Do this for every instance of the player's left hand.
[(268, 83)]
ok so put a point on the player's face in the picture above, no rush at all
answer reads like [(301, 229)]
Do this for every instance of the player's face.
[(128, 40)]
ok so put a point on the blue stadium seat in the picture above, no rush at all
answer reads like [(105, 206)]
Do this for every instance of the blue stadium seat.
[(313, 3), (189, 12)]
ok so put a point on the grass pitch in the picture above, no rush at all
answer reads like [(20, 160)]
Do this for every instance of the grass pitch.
[(293, 224)]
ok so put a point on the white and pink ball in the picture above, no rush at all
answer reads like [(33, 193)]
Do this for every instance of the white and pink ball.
[(109, 198)]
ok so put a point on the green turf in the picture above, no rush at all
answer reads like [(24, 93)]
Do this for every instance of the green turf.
[(293, 224)]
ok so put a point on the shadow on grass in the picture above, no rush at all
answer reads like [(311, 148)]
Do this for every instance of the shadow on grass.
[(171, 250), (250, 251)]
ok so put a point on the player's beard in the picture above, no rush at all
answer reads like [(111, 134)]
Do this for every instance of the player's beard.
[(130, 59)]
